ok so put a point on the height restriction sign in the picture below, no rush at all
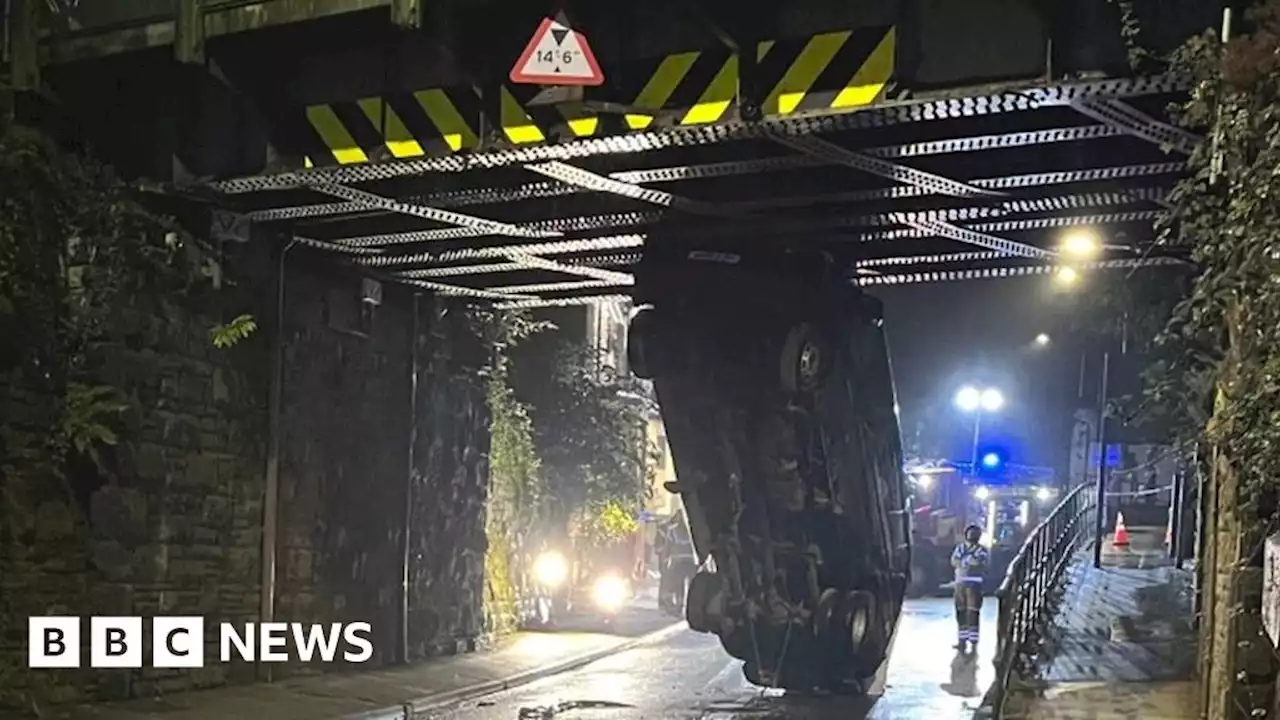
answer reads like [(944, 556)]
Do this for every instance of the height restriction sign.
[(557, 55)]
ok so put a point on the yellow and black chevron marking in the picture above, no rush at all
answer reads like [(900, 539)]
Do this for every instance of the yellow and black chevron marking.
[(426, 122), (829, 72)]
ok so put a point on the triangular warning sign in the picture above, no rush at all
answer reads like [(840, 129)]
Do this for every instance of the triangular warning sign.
[(557, 55)]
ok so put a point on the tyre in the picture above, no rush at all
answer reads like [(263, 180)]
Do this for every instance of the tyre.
[(697, 608), (804, 360), (860, 621), (640, 344)]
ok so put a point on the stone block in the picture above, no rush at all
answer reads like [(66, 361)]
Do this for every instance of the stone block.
[(55, 521), (114, 561), (149, 461), (188, 570), (118, 513), (202, 471)]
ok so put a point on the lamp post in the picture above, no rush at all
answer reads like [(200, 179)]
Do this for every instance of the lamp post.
[(975, 401)]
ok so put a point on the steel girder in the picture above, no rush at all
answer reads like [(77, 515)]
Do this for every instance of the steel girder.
[(1010, 97), (1121, 116), (704, 171), (934, 276), (637, 219), (524, 234)]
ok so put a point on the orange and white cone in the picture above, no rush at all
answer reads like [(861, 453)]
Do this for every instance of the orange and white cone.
[(1121, 538)]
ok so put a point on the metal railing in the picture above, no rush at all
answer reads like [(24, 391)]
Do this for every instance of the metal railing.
[(1033, 576)]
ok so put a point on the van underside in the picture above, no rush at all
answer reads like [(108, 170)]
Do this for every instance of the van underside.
[(773, 377)]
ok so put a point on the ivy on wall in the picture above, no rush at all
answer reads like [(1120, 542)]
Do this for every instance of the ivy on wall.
[(1221, 349), (516, 490)]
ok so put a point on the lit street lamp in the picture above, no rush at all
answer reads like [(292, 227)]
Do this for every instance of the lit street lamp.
[(1081, 244), (1042, 339), (1067, 276), (975, 401)]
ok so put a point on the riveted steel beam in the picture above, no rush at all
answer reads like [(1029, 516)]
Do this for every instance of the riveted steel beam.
[(929, 182), (488, 227), (538, 190), (936, 259), (376, 258), (558, 226), (586, 180), (1012, 97), (1124, 117), (562, 302), (534, 262), (1007, 272), (1011, 182), (872, 280), (569, 286), (1025, 224), (973, 237), (459, 291), (559, 247)]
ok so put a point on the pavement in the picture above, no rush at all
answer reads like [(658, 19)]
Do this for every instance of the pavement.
[(1122, 645), (384, 694)]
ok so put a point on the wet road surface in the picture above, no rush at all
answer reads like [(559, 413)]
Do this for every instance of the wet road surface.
[(690, 677)]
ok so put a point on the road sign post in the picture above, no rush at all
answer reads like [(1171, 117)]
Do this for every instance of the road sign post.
[(557, 55)]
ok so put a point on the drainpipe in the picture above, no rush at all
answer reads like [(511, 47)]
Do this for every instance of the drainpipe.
[(271, 494), (408, 484)]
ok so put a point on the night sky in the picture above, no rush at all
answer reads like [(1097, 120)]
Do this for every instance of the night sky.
[(943, 336)]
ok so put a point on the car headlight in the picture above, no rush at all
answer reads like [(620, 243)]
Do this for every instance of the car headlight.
[(551, 569), (610, 592), (982, 493), (1044, 494)]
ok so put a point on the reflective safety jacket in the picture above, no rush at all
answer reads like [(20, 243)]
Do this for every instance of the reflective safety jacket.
[(969, 560)]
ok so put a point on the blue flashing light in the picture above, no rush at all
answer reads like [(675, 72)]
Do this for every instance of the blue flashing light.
[(991, 461)]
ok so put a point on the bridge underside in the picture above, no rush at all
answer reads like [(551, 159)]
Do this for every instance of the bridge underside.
[(959, 187), (921, 142)]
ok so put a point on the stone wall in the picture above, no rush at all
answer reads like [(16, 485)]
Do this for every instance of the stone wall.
[(450, 486), (174, 527), (176, 531)]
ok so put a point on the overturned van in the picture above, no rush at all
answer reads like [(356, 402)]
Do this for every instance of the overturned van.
[(772, 373)]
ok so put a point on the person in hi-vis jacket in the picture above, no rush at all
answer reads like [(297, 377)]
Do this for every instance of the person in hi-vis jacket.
[(970, 561)]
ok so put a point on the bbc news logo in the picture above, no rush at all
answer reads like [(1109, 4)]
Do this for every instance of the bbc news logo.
[(179, 642)]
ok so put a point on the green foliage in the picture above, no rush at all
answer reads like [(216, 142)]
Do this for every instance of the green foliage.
[(228, 334), (591, 435), (1225, 337), (90, 412), (1141, 59), (611, 522), (516, 491), (77, 252)]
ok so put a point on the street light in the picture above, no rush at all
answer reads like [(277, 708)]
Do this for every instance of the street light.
[(1081, 244), (1042, 339), (1066, 276), (975, 401)]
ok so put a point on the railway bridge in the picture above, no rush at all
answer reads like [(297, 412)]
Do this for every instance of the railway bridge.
[(917, 140)]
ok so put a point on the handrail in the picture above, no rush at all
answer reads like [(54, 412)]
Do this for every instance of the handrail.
[(1024, 593)]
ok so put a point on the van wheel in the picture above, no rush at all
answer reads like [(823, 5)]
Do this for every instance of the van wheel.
[(860, 618), (697, 606), (640, 344), (805, 359)]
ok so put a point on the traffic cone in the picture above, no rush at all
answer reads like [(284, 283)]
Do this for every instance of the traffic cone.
[(1121, 538)]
